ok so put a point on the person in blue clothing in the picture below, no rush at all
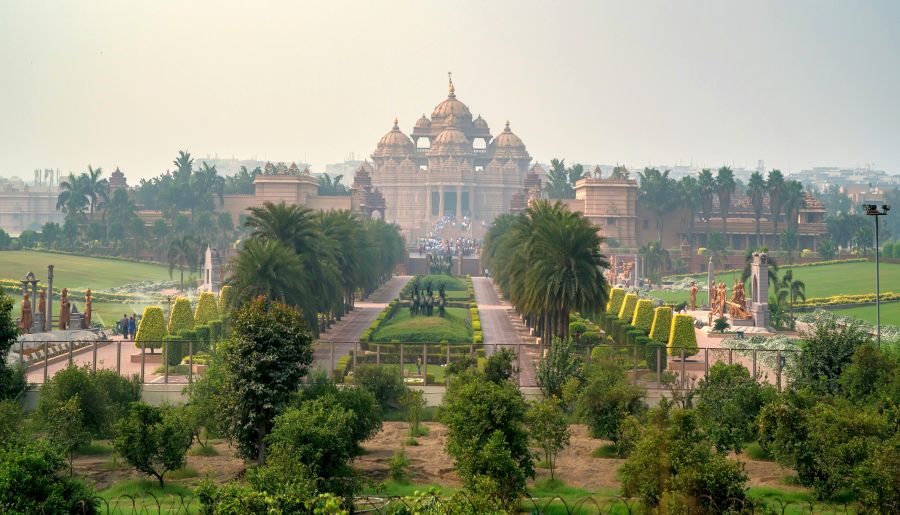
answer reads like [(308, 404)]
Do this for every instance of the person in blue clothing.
[(123, 326), (131, 328)]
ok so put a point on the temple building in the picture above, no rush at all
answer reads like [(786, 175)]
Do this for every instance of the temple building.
[(451, 166)]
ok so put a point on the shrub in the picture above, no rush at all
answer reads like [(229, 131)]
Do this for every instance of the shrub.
[(682, 336), (607, 398), (152, 329), (887, 250), (576, 329), (34, 479), (590, 339), (662, 324), (476, 325), (215, 330), (626, 312), (477, 337), (616, 297), (399, 464), (729, 402), (175, 348), (643, 315), (554, 369), (226, 300), (181, 318), (720, 324), (154, 440), (206, 309), (654, 348), (384, 382), (203, 338)]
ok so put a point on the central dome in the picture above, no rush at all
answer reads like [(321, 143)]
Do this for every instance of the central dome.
[(452, 106)]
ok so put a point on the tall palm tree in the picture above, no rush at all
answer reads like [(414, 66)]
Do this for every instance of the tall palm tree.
[(343, 228), (268, 268), (791, 290), (658, 193), (756, 190), (656, 257), (775, 186), (706, 183), (72, 198), (182, 251), (689, 195), (794, 200), (95, 188), (725, 186)]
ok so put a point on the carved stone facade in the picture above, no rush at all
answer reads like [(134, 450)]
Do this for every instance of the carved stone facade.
[(450, 165)]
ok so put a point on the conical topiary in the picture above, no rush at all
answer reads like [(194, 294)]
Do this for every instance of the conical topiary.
[(662, 324), (643, 315), (152, 329), (207, 311), (181, 318), (682, 336)]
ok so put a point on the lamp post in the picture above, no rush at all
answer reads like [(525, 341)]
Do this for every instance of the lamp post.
[(872, 210)]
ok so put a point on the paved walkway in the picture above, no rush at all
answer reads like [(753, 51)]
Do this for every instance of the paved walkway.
[(346, 333), (500, 331)]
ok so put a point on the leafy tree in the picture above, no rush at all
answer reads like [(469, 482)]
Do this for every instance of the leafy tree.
[(607, 398), (154, 440), (561, 180), (548, 429), (788, 244), (656, 258), (717, 247), (729, 402), (414, 402), (486, 433), (826, 249), (182, 251), (12, 378), (12, 422), (658, 192), (5, 240), (499, 366), (828, 348), (725, 186), (756, 190), (706, 184), (776, 189), (872, 378), (65, 428), (359, 401), (262, 365), (560, 363), (32, 480), (791, 289), (332, 186), (384, 382)]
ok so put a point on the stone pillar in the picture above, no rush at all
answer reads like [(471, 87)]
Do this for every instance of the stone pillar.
[(710, 278), (441, 202), (759, 289), (427, 203), (49, 321), (459, 202), (472, 212)]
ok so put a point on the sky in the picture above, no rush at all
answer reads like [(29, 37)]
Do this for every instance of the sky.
[(128, 84)]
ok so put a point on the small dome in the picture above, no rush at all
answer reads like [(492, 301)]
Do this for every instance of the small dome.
[(507, 139), (451, 140), (480, 123), (395, 141), (423, 123)]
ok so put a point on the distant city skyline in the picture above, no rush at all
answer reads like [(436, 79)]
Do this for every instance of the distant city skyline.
[(798, 85)]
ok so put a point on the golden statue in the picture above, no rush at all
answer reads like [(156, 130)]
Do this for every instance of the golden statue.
[(42, 303), (87, 309), (693, 295), (65, 309), (27, 320)]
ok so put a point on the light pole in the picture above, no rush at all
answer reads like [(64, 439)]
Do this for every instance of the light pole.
[(872, 210)]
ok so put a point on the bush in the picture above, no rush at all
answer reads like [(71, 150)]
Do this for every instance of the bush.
[(154, 440), (682, 336), (226, 300), (590, 339), (477, 337), (828, 348), (650, 354), (607, 398), (626, 312), (616, 297), (399, 464), (203, 338), (206, 309), (383, 381), (662, 324), (215, 331), (643, 315), (476, 325), (729, 402), (34, 479), (152, 329), (887, 250), (181, 318), (175, 348), (576, 329)]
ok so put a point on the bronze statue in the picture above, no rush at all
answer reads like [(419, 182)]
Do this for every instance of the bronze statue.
[(65, 309), (27, 318), (42, 303), (87, 309), (723, 298), (693, 295)]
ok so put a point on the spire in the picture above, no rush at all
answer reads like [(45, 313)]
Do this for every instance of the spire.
[(396, 127), (452, 89), (507, 129)]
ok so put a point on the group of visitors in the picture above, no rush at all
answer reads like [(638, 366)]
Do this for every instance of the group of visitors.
[(452, 247), (128, 326)]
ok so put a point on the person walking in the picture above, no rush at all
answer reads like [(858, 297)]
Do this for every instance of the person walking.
[(131, 326), (123, 326)]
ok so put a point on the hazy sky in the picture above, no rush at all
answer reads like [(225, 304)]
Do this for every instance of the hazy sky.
[(127, 84)]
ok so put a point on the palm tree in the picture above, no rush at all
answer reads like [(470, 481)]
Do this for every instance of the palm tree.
[(343, 228), (794, 200), (689, 195), (656, 258), (706, 184), (725, 186), (95, 188), (775, 185), (72, 198), (558, 180), (756, 190), (182, 251), (268, 268), (658, 193), (791, 290)]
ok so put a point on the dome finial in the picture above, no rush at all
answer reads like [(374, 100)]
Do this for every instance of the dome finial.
[(450, 79), (396, 127), (507, 129)]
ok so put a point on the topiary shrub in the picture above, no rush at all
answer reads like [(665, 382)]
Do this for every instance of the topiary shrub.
[(477, 337), (175, 349), (476, 325), (616, 296), (662, 324), (152, 329), (650, 354), (626, 312), (643, 315), (226, 300), (591, 338), (215, 331), (207, 310), (682, 336), (203, 338), (181, 318)]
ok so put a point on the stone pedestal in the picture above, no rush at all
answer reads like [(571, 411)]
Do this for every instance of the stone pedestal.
[(38, 325)]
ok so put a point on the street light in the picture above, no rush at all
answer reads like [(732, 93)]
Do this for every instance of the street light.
[(872, 210)]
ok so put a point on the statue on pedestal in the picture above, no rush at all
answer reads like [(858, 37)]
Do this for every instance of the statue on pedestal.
[(693, 295), (65, 309), (42, 303), (87, 309), (27, 319)]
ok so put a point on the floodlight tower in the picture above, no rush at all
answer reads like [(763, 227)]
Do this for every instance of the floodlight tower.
[(873, 210)]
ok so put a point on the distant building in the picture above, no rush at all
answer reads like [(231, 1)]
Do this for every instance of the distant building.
[(24, 206)]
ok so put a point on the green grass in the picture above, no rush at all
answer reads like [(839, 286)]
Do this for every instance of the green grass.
[(756, 452), (95, 448), (144, 491), (605, 451), (201, 450), (183, 473), (450, 283), (404, 328), (79, 272), (433, 370), (890, 312)]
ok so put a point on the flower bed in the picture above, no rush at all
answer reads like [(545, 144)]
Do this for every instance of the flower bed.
[(840, 300)]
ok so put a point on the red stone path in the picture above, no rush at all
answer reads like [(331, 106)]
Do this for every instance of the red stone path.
[(499, 330)]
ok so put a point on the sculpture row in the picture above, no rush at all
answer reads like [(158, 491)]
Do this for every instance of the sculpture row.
[(69, 317), (424, 302)]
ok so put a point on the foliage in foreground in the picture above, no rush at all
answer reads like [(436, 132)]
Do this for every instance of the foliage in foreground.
[(34, 479), (154, 440)]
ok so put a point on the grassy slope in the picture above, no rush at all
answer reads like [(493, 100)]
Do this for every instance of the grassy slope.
[(425, 329), (890, 313)]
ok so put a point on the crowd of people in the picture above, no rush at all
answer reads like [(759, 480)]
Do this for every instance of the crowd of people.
[(449, 247)]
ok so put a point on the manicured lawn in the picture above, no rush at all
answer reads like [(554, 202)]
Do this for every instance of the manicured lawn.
[(450, 283), (404, 328), (78, 271), (890, 313), (146, 494)]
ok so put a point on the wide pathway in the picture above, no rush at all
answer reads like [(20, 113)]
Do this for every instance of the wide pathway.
[(499, 330), (342, 336)]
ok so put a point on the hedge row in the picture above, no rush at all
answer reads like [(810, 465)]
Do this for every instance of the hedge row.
[(386, 314), (782, 267), (836, 300)]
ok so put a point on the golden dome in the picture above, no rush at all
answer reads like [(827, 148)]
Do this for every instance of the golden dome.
[(452, 106), (395, 141), (423, 123), (507, 139)]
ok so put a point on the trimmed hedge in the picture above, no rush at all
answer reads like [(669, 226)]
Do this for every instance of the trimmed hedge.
[(662, 324), (643, 315), (181, 318), (628, 304), (226, 300), (207, 310), (650, 355), (175, 350), (616, 297), (203, 338), (682, 336), (215, 330), (152, 329)]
